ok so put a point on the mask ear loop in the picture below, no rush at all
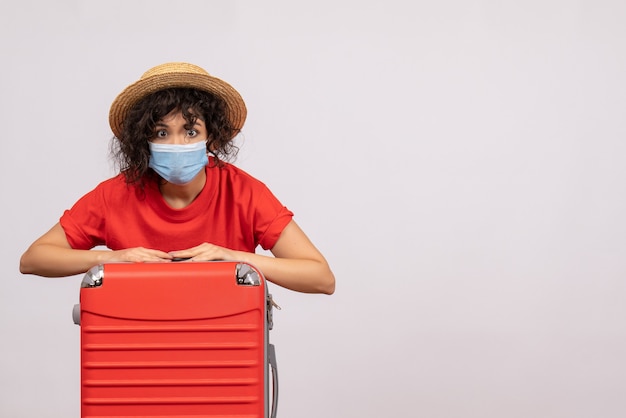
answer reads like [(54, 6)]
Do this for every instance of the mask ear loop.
[(210, 152)]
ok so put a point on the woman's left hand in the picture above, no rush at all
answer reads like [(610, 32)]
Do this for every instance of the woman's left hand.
[(205, 252)]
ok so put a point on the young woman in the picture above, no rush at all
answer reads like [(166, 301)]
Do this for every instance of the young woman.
[(176, 196)]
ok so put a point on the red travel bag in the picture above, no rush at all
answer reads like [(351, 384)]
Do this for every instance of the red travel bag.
[(176, 340)]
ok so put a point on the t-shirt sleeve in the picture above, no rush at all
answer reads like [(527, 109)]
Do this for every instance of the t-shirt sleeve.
[(84, 222), (271, 218)]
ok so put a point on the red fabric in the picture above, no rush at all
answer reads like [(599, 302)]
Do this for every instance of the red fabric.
[(234, 210)]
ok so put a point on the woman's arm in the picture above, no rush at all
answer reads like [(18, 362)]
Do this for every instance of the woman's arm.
[(52, 256), (296, 265)]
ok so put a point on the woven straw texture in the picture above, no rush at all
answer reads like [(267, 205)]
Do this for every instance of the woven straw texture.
[(176, 74)]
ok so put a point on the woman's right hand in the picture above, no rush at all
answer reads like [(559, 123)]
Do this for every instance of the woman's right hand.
[(137, 255)]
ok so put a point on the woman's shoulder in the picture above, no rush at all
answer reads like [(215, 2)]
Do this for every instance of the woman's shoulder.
[(245, 187), (237, 175), (114, 183), (117, 188)]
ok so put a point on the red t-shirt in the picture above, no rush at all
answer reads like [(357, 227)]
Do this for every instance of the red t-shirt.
[(234, 210)]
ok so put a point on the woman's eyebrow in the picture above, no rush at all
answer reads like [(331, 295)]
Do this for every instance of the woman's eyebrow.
[(161, 124)]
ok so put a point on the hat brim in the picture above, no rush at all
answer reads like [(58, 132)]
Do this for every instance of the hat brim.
[(235, 106)]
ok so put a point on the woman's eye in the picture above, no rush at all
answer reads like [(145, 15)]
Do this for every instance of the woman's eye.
[(161, 134), (191, 133)]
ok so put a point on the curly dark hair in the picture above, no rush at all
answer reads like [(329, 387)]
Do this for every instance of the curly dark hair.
[(130, 151)]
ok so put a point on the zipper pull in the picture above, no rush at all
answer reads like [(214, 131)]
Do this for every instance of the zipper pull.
[(273, 302)]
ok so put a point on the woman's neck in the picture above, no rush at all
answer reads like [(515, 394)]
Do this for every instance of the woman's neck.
[(181, 196)]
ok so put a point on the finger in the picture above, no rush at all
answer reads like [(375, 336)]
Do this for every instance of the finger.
[(149, 256), (160, 254)]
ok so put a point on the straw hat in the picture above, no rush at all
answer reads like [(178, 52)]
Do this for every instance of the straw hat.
[(176, 74)]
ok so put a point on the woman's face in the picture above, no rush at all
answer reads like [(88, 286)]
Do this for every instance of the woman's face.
[(173, 129)]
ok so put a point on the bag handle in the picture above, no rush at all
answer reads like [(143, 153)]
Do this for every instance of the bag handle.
[(274, 367)]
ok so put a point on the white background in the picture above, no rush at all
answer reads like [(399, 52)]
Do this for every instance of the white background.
[(460, 163)]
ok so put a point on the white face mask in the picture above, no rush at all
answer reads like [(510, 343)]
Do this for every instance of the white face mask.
[(178, 164)]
